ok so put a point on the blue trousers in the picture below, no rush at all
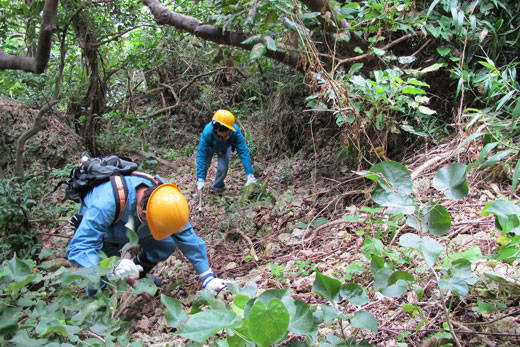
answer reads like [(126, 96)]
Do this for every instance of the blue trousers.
[(222, 168)]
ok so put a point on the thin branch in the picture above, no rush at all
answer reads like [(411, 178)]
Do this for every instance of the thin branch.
[(178, 97), (36, 127)]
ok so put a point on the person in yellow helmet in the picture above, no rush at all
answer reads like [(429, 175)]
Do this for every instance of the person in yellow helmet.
[(158, 214), (218, 137)]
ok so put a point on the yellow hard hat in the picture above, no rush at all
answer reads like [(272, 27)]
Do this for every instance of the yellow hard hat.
[(167, 211), (225, 118)]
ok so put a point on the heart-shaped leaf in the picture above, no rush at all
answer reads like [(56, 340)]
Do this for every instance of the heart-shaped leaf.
[(452, 181), (268, 325)]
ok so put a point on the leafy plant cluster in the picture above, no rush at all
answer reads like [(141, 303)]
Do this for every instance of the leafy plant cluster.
[(18, 205), (268, 318), (45, 304)]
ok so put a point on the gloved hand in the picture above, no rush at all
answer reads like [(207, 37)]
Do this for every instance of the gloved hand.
[(214, 285), (127, 267), (200, 184), (250, 179)]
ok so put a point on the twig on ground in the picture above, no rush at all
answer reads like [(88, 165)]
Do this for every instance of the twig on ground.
[(248, 241)]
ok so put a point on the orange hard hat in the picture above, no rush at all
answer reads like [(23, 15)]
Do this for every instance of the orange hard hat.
[(167, 211), (225, 118)]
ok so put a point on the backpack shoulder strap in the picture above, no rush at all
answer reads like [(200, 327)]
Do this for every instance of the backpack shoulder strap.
[(120, 190), (146, 175)]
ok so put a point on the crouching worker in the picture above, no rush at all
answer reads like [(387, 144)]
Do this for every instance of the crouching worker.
[(218, 137), (158, 214)]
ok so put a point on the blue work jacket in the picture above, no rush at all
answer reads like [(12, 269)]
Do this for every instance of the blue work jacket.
[(97, 232), (209, 144)]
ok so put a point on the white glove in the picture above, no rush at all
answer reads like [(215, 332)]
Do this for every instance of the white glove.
[(127, 267), (250, 179), (200, 184), (214, 285)]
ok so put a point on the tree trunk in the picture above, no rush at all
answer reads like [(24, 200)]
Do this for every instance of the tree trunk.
[(38, 63), (93, 104)]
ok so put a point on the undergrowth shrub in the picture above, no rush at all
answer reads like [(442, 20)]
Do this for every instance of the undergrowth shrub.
[(18, 204)]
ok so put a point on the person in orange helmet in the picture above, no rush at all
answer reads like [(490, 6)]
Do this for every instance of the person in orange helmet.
[(218, 137), (158, 214)]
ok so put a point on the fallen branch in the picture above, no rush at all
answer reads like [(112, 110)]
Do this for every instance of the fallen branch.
[(248, 241)]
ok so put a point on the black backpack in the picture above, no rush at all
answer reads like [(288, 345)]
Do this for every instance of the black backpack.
[(91, 172)]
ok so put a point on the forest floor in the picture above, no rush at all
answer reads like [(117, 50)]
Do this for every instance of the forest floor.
[(292, 223)]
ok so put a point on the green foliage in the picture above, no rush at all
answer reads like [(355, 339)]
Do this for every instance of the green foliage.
[(43, 307), (393, 190), (18, 201), (267, 318)]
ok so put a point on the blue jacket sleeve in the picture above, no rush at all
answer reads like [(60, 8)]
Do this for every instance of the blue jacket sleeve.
[(204, 151), (242, 150), (98, 215), (193, 248)]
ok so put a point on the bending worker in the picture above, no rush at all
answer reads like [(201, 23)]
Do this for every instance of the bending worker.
[(159, 216), (219, 136)]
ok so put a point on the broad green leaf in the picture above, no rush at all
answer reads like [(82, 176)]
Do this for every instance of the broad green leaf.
[(378, 51), (175, 315), (9, 318), (432, 218), (461, 268), (400, 275), (506, 214), (250, 289), (440, 221), (270, 43), (257, 51), (381, 284), (268, 326), (399, 202), (354, 294), (327, 287), (144, 285), (364, 320), (302, 321), (416, 82), (426, 110), (456, 284), (376, 264), (395, 177), (252, 40), (282, 294), (508, 253), (237, 337), (412, 90), (444, 50), (429, 248), (87, 310), (205, 324), (19, 269), (134, 240), (483, 306), (239, 304), (50, 325), (452, 181), (354, 68), (22, 338), (330, 313)]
